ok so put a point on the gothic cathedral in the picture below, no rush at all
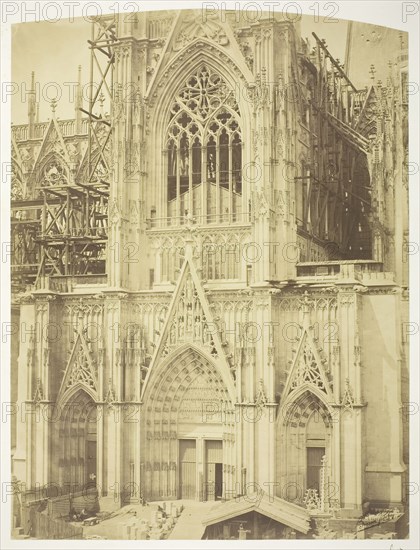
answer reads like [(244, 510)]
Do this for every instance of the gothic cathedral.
[(209, 273)]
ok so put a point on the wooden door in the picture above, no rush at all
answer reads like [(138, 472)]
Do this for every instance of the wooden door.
[(187, 468), (210, 481), (218, 480), (91, 462), (214, 470)]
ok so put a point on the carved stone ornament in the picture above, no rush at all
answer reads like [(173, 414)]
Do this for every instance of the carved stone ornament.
[(347, 401), (38, 394), (261, 400), (110, 397), (195, 27)]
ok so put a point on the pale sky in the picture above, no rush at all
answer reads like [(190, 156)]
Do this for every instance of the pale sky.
[(54, 50)]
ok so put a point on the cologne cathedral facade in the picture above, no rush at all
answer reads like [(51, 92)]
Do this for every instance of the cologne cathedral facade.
[(209, 270)]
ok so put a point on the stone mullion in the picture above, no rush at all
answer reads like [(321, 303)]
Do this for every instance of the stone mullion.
[(190, 179), (204, 183), (178, 215), (217, 183)]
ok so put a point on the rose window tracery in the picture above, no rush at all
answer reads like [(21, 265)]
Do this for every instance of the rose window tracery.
[(54, 174)]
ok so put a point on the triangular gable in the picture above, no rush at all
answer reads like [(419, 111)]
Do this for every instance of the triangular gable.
[(275, 508), (367, 110), (307, 367), (16, 153), (189, 321), (80, 371), (100, 160), (189, 27), (18, 180), (53, 142)]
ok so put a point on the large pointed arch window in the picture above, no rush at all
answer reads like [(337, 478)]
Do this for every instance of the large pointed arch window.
[(204, 152)]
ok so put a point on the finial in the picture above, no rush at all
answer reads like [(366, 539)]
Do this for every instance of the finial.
[(372, 72), (401, 37), (53, 105), (101, 100)]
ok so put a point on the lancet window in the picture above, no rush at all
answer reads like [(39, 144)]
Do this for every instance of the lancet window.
[(204, 152)]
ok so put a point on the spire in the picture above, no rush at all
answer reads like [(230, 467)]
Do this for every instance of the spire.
[(78, 102), (32, 107)]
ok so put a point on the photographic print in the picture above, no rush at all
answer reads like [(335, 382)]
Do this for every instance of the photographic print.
[(209, 261)]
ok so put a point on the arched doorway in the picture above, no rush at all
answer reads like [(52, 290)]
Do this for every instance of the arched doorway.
[(187, 449), (304, 440), (78, 442)]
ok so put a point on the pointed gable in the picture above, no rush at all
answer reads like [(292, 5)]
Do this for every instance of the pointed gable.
[(16, 156), (97, 165), (53, 147), (366, 121), (80, 371), (190, 28), (189, 321), (307, 367)]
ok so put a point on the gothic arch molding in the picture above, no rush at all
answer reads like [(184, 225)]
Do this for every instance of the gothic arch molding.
[(305, 437), (157, 374), (69, 395), (75, 448), (161, 103), (297, 394), (300, 400), (199, 51), (185, 399)]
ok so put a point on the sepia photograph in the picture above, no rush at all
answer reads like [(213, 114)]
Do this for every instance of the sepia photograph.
[(207, 241)]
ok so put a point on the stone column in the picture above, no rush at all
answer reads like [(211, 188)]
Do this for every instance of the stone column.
[(351, 415), (26, 359)]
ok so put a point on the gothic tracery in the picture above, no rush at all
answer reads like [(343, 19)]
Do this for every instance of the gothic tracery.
[(204, 151)]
